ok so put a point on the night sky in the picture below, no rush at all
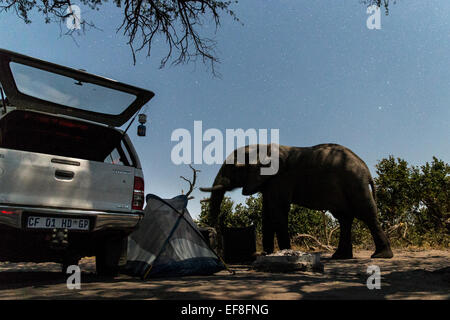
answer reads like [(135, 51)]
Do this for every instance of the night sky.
[(311, 69)]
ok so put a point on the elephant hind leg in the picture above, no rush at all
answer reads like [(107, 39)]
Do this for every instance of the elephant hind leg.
[(344, 250), (367, 212), (382, 246)]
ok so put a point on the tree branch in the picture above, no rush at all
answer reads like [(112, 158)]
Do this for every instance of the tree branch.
[(177, 21), (191, 183), (303, 235)]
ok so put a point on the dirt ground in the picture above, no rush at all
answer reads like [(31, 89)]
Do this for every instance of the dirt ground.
[(409, 275)]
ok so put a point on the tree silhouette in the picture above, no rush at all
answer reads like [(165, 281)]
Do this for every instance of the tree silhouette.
[(378, 3), (178, 22)]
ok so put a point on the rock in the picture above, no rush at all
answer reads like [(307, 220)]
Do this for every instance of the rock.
[(289, 260)]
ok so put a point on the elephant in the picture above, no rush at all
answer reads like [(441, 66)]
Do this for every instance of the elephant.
[(322, 177)]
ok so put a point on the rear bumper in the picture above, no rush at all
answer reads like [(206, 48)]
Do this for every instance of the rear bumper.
[(14, 216)]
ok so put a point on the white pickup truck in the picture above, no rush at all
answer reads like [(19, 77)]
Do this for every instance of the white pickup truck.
[(71, 184)]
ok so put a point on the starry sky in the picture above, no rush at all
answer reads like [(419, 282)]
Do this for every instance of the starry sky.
[(311, 69)]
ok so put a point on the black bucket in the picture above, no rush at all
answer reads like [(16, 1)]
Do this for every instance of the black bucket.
[(239, 244)]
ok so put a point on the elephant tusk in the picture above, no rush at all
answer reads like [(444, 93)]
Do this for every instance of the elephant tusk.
[(214, 188)]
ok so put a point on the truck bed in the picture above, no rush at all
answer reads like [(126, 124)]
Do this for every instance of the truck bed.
[(36, 169)]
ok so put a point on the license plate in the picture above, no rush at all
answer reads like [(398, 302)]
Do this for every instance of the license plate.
[(57, 223)]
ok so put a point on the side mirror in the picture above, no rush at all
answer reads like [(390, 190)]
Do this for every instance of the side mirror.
[(141, 130)]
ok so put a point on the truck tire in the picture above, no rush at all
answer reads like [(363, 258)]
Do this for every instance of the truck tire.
[(108, 256), (124, 253)]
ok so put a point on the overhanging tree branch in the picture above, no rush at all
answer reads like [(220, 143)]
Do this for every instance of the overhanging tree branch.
[(178, 22)]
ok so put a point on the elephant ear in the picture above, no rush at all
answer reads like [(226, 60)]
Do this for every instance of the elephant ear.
[(254, 180), (269, 161)]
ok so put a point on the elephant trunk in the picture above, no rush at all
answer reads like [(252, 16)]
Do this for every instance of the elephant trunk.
[(215, 202), (216, 220), (220, 185)]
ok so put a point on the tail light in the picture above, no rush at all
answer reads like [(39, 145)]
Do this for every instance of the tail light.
[(138, 194)]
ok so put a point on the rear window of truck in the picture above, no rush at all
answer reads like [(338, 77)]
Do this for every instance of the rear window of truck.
[(42, 133)]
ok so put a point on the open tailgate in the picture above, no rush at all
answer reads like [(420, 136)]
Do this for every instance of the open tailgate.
[(31, 83)]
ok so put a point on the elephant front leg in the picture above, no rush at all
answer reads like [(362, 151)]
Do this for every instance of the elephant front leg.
[(282, 228), (268, 233), (344, 250), (275, 221)]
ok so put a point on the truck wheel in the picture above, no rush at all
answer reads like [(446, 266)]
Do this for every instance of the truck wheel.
[(108, 256), (124, 253)]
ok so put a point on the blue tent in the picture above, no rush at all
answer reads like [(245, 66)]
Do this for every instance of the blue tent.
[(169, 243)]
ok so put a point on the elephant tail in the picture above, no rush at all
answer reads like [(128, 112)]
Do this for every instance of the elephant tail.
[(374, 190)]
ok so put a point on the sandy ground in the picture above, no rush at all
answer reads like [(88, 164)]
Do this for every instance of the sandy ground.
[(409, 275)]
